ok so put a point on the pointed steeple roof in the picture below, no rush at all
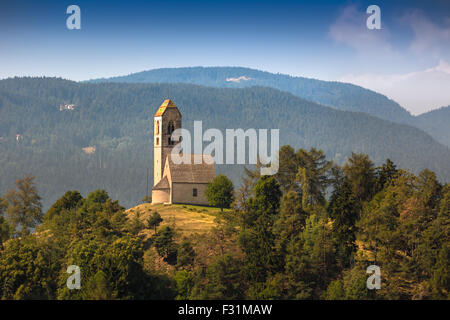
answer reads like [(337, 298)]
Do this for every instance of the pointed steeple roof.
[(166, 104)]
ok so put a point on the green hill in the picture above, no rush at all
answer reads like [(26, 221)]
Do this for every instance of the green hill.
[(437, 124), (186, 219), (341, 96), (116, 120)]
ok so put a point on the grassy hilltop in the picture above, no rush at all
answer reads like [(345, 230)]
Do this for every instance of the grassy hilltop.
[(187, 219)]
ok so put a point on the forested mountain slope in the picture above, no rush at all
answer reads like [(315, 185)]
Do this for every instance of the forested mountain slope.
[(437, 123), (116, 119), (342, 96)]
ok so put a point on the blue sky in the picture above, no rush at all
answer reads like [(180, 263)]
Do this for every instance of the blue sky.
[(321, 39)]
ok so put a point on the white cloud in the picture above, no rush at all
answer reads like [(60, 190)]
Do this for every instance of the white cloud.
[(429, 38), (418, 92), (350, 28), (237, 80)]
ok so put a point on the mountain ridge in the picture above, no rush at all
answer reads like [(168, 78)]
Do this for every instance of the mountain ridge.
[(338, 95), (115, 120), (306, 88)]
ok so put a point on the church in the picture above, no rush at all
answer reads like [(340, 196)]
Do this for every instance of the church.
[(176, 183)]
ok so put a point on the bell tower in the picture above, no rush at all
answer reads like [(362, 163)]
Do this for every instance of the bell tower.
[(166, 119)]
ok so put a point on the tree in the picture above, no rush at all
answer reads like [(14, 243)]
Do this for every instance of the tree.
[(385, 174), (220, 192), (312, 174), (288, 166), (186, 254), (344, 209), (224, 280), (3, 205), (28, 268), (136, 225), (147, 199), (98, 288), (154, 220), (69, 201), (5, 231), (249, 181), (309, 259), (24, 205), (5, 228), (360, 172), (165, 244), (257, 239), (335, 291), (185, 283), (291, 221), (267, 196)]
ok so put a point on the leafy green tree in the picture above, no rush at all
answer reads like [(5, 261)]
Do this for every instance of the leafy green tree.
[(313, 176), (355, 284), (186, 254), (433, 250), (257, 239), (136, 225), (5, 228), (360, 172), (95, 200), (154, 220), (245, 192), (267, 196), (98, 288), (69, 201), (224, 280), (310, 258), (385, 174), (185, 282), (220, 192), (24, 206), (335, 291), (291, 221), (344, 209), (288, 167), (119, 221), (400, 231), (111, 269), (3, 205), (440, 279), (5, 231), (165, 244), (28, 269)]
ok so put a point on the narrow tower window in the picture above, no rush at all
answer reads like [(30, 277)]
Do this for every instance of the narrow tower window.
[(170, 127)]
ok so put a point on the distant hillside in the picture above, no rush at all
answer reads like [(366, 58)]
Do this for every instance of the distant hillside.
[(342, 96), (106, 140), (437, 123)]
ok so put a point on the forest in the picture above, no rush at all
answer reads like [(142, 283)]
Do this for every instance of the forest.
[(105, 141), (308, 232), (338, 95)]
